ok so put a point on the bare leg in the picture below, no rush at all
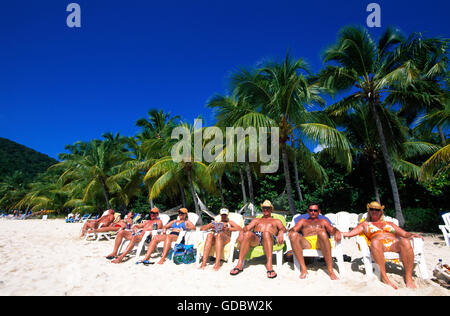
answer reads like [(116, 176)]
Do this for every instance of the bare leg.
[(118, 241), (325, 246), (221, 240), (299, 243), (86, 227), (167, 243), (407, 257), (153, 244), (247, 240), (207, 249), (268, 250), (376, 247), (134, 240)]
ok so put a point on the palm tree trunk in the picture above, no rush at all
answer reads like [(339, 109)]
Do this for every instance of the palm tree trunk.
[(297, 183), (390, 170), (250, 182), (287, 178), (183, 197), (221, 191), (191, 185), (244, 194), (441, 134), (105, 193), (374, 182)]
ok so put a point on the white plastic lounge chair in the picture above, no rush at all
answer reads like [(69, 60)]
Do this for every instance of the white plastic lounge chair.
[(109, 235), (85, 218), (446, 228), (336, 250), (90, 235), (354, 220), (333, 218), (164, 219), (343, 221), (370, 265), (228, 248)]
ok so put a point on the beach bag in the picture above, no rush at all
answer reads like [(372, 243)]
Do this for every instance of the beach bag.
[(182, 254)]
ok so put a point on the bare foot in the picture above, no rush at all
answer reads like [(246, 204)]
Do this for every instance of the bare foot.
[(410, 284), (217, 267), (303, 275), (162, 261), (333, 276), (388, 282), (202, 266), (118, 260)]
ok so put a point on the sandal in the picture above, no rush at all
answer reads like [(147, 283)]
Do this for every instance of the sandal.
[(273, 276), (236, 271), (111, 257), (145, 262)]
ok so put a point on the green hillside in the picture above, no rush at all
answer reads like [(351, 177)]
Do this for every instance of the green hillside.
[(16, 157)]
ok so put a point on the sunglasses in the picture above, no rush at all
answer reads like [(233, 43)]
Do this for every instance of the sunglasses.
[(313, 210), (153, 213), (181, 213), (374, 210)]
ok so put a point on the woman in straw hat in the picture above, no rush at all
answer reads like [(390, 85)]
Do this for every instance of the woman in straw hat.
[(384, 237)]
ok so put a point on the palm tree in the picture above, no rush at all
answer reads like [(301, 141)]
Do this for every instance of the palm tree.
[(12, 189), (378, 76), (167, 174), (93, 170), (440, 161), (280, 92)]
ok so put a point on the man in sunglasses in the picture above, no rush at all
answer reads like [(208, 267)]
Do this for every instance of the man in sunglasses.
[(134, 235), (314, 235)]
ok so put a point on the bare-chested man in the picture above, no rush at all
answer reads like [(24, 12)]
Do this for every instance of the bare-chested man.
[(219, 237), (134, 236), (315, 236), (267, 231), (116, 226), (106, 220)]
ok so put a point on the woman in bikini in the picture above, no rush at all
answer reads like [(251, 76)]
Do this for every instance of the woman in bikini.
[(386, 237), (176, 226), (219, 237)]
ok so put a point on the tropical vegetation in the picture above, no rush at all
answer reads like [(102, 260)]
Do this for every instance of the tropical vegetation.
[(377, 114)]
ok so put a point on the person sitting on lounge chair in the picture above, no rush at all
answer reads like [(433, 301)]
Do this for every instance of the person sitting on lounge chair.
[(266, 232), (116, 226), (107, 220), (134, 235), (314, 235), (386, 237), (219, 237), (176, 226)]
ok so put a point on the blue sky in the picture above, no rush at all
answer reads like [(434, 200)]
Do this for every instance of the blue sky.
[(59, 85)]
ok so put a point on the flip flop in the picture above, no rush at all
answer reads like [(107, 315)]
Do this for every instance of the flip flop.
[(236, 270), (111, 257), (145, 262), (271, 277)]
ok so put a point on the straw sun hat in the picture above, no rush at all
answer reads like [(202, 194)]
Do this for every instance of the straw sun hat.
[(267, 204)]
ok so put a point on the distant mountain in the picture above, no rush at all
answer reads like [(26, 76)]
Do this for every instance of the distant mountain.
[(16, 157)]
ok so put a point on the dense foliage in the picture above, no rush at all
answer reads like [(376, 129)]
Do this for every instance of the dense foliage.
[(18, 158), (370, 147)]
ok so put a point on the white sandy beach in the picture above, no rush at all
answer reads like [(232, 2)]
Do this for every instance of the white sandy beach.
[(47, 258)]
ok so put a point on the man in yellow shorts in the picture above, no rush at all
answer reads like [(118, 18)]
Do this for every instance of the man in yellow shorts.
[(312, 233)]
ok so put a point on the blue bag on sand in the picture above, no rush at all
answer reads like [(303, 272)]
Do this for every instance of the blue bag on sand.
[(178, 253), (189, 254)]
